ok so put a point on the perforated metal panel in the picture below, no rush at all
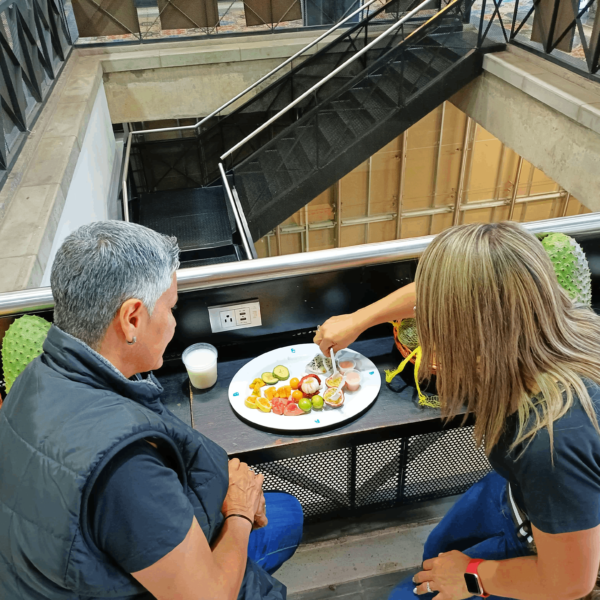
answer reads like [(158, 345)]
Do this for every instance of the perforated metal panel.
[(369, 477)]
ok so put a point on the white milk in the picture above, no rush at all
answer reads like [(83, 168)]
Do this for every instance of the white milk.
[(201, 365)]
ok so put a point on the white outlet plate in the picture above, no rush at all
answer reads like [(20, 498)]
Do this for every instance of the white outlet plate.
[(234, 316)]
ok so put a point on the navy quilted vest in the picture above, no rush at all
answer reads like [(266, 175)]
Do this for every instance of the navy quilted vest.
[(66, 416)]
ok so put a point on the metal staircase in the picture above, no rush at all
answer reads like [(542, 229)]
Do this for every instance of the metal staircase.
[(324, 117)]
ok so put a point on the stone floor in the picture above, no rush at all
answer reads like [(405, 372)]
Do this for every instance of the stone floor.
[(361, 558)]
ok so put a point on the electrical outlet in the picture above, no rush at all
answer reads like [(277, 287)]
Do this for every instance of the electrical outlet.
[(227, 319), (234, 316)]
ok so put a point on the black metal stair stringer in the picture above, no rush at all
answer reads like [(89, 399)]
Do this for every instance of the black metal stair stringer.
[(331, 141)]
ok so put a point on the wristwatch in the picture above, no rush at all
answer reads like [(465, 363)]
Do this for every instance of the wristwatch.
[(474, 585)]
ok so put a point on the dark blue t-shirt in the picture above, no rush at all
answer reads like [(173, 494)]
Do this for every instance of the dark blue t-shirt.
[(563, 497), (138, 509)]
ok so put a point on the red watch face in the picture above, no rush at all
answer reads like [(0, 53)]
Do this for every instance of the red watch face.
[(473, 585)]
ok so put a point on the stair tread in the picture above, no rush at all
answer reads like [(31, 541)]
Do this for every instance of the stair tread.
[(198, 218)]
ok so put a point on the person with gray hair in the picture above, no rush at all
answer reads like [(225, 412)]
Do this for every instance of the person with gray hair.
[(103, 491)]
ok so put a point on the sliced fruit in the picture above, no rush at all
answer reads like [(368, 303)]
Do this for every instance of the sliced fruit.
[(250, 402), (258, 381), (317, 402), (297, 395), (335, 380), (269, 379), (334, 397), (270, 393), (285, 391), (293, 410), (256, 390), (279, 404), (282, 373), (305, 404), (263, 404), (295, 383)]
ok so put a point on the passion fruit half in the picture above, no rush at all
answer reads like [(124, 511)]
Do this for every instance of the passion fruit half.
[(334, 397)]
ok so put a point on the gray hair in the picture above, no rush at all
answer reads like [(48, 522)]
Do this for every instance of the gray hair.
[(101, 265)]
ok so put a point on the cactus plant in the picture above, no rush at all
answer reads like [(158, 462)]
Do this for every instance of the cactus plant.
[(570, 265), (22, 343)]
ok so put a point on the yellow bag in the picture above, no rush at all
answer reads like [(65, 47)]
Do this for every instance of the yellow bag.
[(431, 401)]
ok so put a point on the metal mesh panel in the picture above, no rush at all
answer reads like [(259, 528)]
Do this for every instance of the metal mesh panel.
[(320, 481), (368, 477), (377, 472), (442, 464)]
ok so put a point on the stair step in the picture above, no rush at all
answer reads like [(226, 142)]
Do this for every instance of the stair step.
[(314, 143), (275, 170), (294, 156), (432, 61), (361, 558), (252, 185), (198, 218), (358, 119), (373, 100), (339, 136), (344, 564)]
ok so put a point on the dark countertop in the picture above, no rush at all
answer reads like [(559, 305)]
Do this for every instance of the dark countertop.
[(391, 415)]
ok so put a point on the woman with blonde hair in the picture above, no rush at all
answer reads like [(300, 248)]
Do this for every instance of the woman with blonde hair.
[(511, 347)]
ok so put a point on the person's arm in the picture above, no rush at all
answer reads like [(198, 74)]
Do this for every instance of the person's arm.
[(339, 332), (565, 568), (192, 571)]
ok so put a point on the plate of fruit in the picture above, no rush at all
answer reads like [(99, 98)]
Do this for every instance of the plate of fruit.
[(297, 388)]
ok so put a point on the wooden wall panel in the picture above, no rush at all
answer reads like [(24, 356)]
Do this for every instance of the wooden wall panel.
[(492, 177), (354, 192), (484, 171), (353, 235)]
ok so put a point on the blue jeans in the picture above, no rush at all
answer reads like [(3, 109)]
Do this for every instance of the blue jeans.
[(272, 545), (479, 524)]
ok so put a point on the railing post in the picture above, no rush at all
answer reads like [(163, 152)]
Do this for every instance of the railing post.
[(481, 21)]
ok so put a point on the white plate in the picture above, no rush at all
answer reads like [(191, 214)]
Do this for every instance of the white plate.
[(295, 358)]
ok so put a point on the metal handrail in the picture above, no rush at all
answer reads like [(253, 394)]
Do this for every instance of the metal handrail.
[(229, 102), (236, 215), (333, 73), (279, 267)]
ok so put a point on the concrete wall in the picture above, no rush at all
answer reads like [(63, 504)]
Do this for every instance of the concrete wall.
[(546, 114), (88, 197)]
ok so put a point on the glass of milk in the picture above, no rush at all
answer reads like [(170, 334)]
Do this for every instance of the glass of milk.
[(200, 360)]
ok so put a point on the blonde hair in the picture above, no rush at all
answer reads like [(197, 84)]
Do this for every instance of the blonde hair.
[(494, 319)]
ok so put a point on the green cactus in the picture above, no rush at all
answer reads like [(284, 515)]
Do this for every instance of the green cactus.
[(22, 343), (570, 266)]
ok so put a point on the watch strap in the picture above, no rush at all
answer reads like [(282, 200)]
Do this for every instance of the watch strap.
[(472, 568)]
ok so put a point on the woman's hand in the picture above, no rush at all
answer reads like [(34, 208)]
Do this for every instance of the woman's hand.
[(446, 575), (338, 333), (244, 496)]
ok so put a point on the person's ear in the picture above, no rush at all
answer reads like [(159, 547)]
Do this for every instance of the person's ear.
[(130, 315)]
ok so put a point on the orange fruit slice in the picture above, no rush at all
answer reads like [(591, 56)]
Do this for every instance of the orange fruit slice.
[(250, 401), (263, 404)]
